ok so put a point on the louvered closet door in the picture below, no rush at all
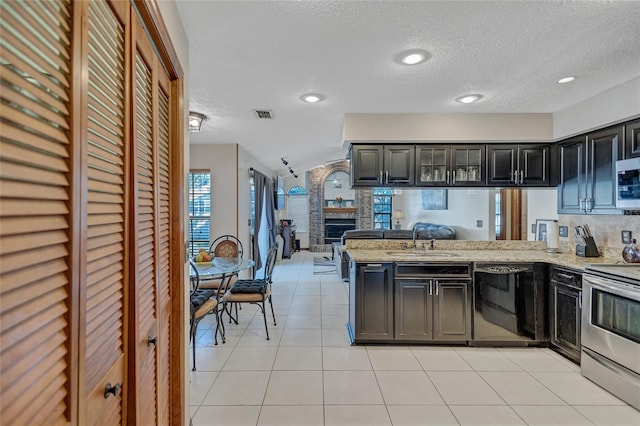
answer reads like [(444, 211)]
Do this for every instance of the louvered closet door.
[(103, 272), (164, 246), (144, 236), (35, 290)]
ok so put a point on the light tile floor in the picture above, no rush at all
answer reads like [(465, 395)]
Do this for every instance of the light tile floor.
[(308, 374)]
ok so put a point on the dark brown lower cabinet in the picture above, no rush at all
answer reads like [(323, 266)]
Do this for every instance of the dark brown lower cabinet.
[(432, 309), (371, 302)]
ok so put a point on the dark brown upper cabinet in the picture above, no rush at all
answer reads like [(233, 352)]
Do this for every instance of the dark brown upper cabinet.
[(587, 172), (519, 165), (450, 165), (632, 139), (382, 165)]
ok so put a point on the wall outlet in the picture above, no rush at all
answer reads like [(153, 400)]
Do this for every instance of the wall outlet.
[(563, 231), (625, 237), (479, 223)]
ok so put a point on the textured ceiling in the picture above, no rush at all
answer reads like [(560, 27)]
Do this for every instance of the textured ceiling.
[(248, 55)]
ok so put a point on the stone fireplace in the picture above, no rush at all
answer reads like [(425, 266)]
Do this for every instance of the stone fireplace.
[(319, 212)]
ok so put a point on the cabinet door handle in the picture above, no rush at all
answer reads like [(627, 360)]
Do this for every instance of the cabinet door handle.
[(567, 276), (380, 178), (521, 177), (386, 176), (514, 177), (430, 288), (454, 178), (580, 300), (447, 177), (112, 390), (436, 286), (375, 265)]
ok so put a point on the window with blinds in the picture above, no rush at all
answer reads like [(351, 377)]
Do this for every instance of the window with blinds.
[(199, 210)]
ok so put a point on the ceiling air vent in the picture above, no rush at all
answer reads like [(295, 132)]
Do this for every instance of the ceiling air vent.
[(263, 114)]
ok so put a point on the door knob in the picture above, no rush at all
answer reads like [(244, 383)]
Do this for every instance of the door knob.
[(115, 390)]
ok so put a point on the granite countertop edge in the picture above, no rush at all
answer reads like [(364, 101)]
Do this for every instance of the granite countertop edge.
[(565, 259)]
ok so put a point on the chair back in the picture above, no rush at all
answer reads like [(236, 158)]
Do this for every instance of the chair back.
[(271, 262), (226, 246), (194, 277)]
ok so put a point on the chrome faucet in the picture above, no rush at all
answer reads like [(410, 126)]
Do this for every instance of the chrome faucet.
[(415, 236)]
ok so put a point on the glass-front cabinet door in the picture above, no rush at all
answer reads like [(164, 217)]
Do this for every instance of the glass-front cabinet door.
[(432, 166), (467, 165)]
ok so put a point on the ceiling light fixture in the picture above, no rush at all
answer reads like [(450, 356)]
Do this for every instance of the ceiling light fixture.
[(293, 173), (195, 121), (566, 80), (467, 99), (312, 98), (412, 57)]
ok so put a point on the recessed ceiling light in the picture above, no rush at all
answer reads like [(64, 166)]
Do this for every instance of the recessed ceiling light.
[(566, 80), (412, 57), (312, 98), (467, 99)]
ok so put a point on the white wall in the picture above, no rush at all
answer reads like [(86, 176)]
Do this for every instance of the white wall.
[(541, 204), (180, 43), (448, 127), (614, 105), (289, 182), (464, 208), (222, 160)]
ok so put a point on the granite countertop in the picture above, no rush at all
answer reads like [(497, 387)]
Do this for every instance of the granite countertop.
[(470, 251)]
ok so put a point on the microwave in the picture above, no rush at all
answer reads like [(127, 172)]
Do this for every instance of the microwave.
[(628, 184)]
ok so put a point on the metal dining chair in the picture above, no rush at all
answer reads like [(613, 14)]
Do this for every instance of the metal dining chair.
[(223, 246), (203, 303), (255, 291)]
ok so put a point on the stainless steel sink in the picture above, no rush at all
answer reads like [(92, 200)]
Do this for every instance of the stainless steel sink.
[(421, 253)]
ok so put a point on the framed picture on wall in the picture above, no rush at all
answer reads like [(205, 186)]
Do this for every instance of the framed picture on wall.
[(434, 199)]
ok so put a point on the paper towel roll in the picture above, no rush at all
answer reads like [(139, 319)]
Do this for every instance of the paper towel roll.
[(553, 237)]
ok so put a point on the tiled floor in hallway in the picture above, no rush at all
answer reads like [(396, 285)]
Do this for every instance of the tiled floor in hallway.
[(308, 374)]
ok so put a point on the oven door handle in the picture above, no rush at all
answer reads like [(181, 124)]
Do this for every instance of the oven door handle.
[(609, 286)]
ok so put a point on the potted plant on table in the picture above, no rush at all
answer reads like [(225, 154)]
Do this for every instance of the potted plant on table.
[(339, 200)]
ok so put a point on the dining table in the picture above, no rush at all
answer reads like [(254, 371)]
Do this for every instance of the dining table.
[(223, 268)]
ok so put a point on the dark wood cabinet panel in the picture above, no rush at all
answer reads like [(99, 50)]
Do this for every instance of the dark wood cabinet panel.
[(399, 165), (382, 165), (519, 165), (413, 309), (571, 189), (452, 310), (372, 302), (632, 139), (366, 165), (587, 172), (604, 148)]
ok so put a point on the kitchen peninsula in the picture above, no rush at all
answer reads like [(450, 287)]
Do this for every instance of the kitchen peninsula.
[(461, 292)]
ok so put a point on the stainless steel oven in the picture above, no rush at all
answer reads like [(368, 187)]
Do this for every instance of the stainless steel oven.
[(611, 329)]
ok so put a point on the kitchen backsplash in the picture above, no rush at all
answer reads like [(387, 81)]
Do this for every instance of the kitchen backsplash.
[(605, 228)]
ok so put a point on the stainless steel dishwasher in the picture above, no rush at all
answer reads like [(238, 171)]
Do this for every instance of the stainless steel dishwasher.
[(510, 304)]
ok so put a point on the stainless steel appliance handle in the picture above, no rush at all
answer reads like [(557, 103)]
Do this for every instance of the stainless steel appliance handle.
[(580, 300), (613, 287)]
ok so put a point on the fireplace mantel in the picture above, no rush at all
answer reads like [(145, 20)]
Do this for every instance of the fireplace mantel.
[(339, 209)]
